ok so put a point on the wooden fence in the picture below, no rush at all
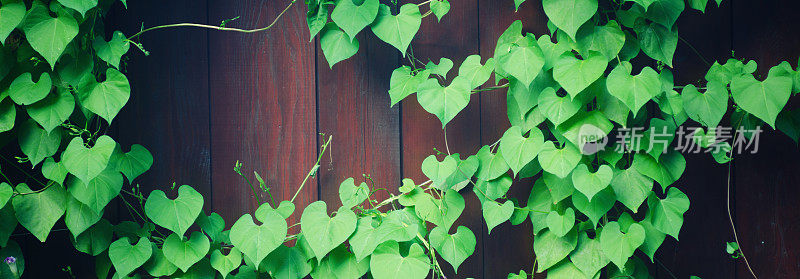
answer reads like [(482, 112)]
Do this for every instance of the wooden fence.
[(204, 99)]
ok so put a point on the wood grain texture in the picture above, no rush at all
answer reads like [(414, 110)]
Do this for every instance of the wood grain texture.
[(263, 104), (766, 183), (354, 108), (454, 37), (509, 248)]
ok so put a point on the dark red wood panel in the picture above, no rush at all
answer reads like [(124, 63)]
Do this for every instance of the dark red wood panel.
[(263, 105), (508, 248), (766, 183), (354, 108), (454, 38)]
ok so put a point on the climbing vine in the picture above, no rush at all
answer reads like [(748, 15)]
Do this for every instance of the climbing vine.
[(597, 131)]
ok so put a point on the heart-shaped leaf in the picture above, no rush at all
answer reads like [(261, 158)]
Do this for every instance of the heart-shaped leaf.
[(557, 109), (590, 183), (387, 263), (665, 172), (316, 18), (107, 98), (257, 241), (184, 254), (99, 191), (403, 83), (38, 212), (212, 225), (560, 188), (5, 193), (652, 240), (8, 114), (464, 172), (607, 40), (665, 12), (158, 265), (440, 8), (588, 257), (658, 42), (438, 172), (454, 248), (24, 91), (49, 36), (441, 69), (559, 161), (336, 44), (340, 263), (667, 215), (285, 208), (87, 163), (561, 224), (472, 69), (352, 18), (285, 262), (96, 239), (79, 216), (324, 233), (52, 110), (601, 203), (82, 6), (111, 51), (352, 195), (397, 30), (13, 13), (763, 99), (175, 215), (492, 165), (540, 203), (631, 187), (618, 246), (524, 60), (134, 163), (633, 91), (575, 74), (36, 143), (519, 150), (444, 102), (551, 249), (493, 189), (707, 108), (442, 212), (569, 15), (126, 257), (495, 213)]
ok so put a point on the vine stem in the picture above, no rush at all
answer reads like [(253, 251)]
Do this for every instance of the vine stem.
[(728, 205), (394, 198), (433, 255), (695, 51), (313, 169), (186, 24)]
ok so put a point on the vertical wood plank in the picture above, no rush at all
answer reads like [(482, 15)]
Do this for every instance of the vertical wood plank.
[(263, 105), (354, 108), (168, 109), (509, 248), (455, 38), (766, 183)]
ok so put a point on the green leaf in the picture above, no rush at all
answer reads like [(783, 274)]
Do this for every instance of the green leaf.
[(524, 60), (440, 8), (8, 113), (316, 19), (518, 150), (601, 203), (472, 69), (517, 3), (111, 51), (560, 162), (353, 18), (667, 214), (398, 30), (463, 174), (665, 172), (184, 254), (444, 67), (324, 233), (607, 40), (492, 165), (107, 98), (79, 216), (53, 110), (652, 240), (631, 187), (340, 263), (566, 270), (25, 92), (212, 225), (589, 183), (584, 129), (764, 99), (658, 42), (9, 221), (337, 45), (495, 213), (645, 3), (788, 122), (99, 191), (443, 212), (257, 241), (82, 6), (352, 195), (557, 109), (38, 212), (575, 74), (540, 203), (175, 215), (454, 248), (444, 102), (286, 262), (618, 246), (493, 189), (699, 5), (134, 163), (665, 12), (5, 193), (49, 36), (569, 15), (12, 15), (126, 257), (388, 263), (551, 249), (560, 188), (633, 91), (158, 265), (588, 257), (36, 143), (561, 224), (96, 239), (403, 83), (614, 109), (707, 108), (285, 208), (438, 172)]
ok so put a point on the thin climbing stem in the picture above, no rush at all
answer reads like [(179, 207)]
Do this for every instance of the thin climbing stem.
[(314, 168), (728, 202), (21, 170), (695, 51)]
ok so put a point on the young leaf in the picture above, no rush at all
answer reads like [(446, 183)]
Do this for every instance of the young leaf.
[(454, 248), (495, 213), (438, 172), (175, 215), (398, 30), (111, 51), (444, 102), (337, 45), (352, 195)]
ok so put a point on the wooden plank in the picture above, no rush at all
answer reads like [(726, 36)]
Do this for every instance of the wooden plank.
[(168, 109), (509, 248), (766, 182), (700, 250), (354, 108), (454, 38), (263, 108)]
